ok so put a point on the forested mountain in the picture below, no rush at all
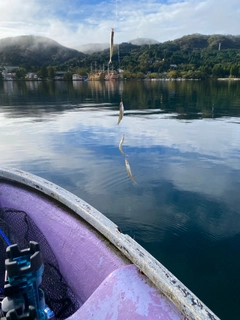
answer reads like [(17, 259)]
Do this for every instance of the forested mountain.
[(34, 51), (211, 42), (97, 47), (192, 56)]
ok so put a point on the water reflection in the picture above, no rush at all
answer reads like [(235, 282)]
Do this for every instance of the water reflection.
[(189, 99), (129, 171), (121, 112), (182, 141), (120, 145)]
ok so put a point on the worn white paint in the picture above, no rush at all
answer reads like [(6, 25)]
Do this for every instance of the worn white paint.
[(172, 288)]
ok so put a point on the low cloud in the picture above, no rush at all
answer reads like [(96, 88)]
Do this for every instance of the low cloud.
[(75, 23)]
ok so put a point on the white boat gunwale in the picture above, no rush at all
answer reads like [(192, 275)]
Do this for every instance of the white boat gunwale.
[(191, 306)]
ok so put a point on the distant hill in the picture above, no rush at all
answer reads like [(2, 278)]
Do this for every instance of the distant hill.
[(98, 47), (93, 47), (199, 41), (209, 55), (188, 42), (34, 51), (142, 41)]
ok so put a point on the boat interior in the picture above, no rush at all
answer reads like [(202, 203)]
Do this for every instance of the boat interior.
[(99, 281)]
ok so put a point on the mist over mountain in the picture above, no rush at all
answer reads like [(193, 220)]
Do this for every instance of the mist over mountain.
[(143, 41), (93, 47), (34, 51), (201, 52), (188, 42), (98, 47)]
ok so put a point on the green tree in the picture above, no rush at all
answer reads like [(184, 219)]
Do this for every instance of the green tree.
[(206, 70), (82, 71), (67, 76), (20, 73), (234, 70), (127, 74), (140, 75), (188, 74), (173, 74), (153, 75), (218, 70), (51, 72), (43, 73)]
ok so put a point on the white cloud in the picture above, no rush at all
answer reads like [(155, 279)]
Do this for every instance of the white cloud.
[(73, 24), (215, 140), (205, 172)]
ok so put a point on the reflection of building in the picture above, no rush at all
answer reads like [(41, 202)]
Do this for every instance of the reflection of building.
[(78, 85), (32, 85), (98, 86)]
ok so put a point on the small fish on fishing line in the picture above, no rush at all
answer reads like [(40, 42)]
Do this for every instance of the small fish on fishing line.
[(121, 112), (111, 45), (129, 171), (121, 143)]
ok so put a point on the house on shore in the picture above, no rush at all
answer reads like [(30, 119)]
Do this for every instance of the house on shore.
[(9, 72), (31, 76), (59, 75), (78, 77)]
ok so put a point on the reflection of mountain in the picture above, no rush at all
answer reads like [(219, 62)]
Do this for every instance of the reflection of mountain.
[(18, 99), (186, 100)]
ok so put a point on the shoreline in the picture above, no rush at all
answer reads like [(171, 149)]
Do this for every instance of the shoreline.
[(222, 79)]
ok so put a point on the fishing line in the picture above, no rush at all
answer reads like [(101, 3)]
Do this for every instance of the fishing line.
[(119, 66), (116, 14)]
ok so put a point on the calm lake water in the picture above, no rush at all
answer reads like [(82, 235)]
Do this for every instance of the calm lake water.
[(182, 141)]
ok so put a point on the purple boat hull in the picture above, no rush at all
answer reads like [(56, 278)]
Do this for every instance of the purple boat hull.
[(111, 275)]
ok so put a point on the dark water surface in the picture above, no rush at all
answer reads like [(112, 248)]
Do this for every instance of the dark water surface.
[(182, 141)]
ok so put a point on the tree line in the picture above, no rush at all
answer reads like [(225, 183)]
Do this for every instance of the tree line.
[(190, 57)]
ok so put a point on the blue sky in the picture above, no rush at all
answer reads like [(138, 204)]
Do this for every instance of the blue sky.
[(76, 22)]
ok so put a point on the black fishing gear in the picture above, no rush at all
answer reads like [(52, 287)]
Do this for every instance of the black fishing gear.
[(24, 299)]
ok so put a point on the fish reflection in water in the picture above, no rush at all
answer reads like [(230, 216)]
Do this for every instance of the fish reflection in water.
[(121, 143), (129, 171), (121, 112)]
